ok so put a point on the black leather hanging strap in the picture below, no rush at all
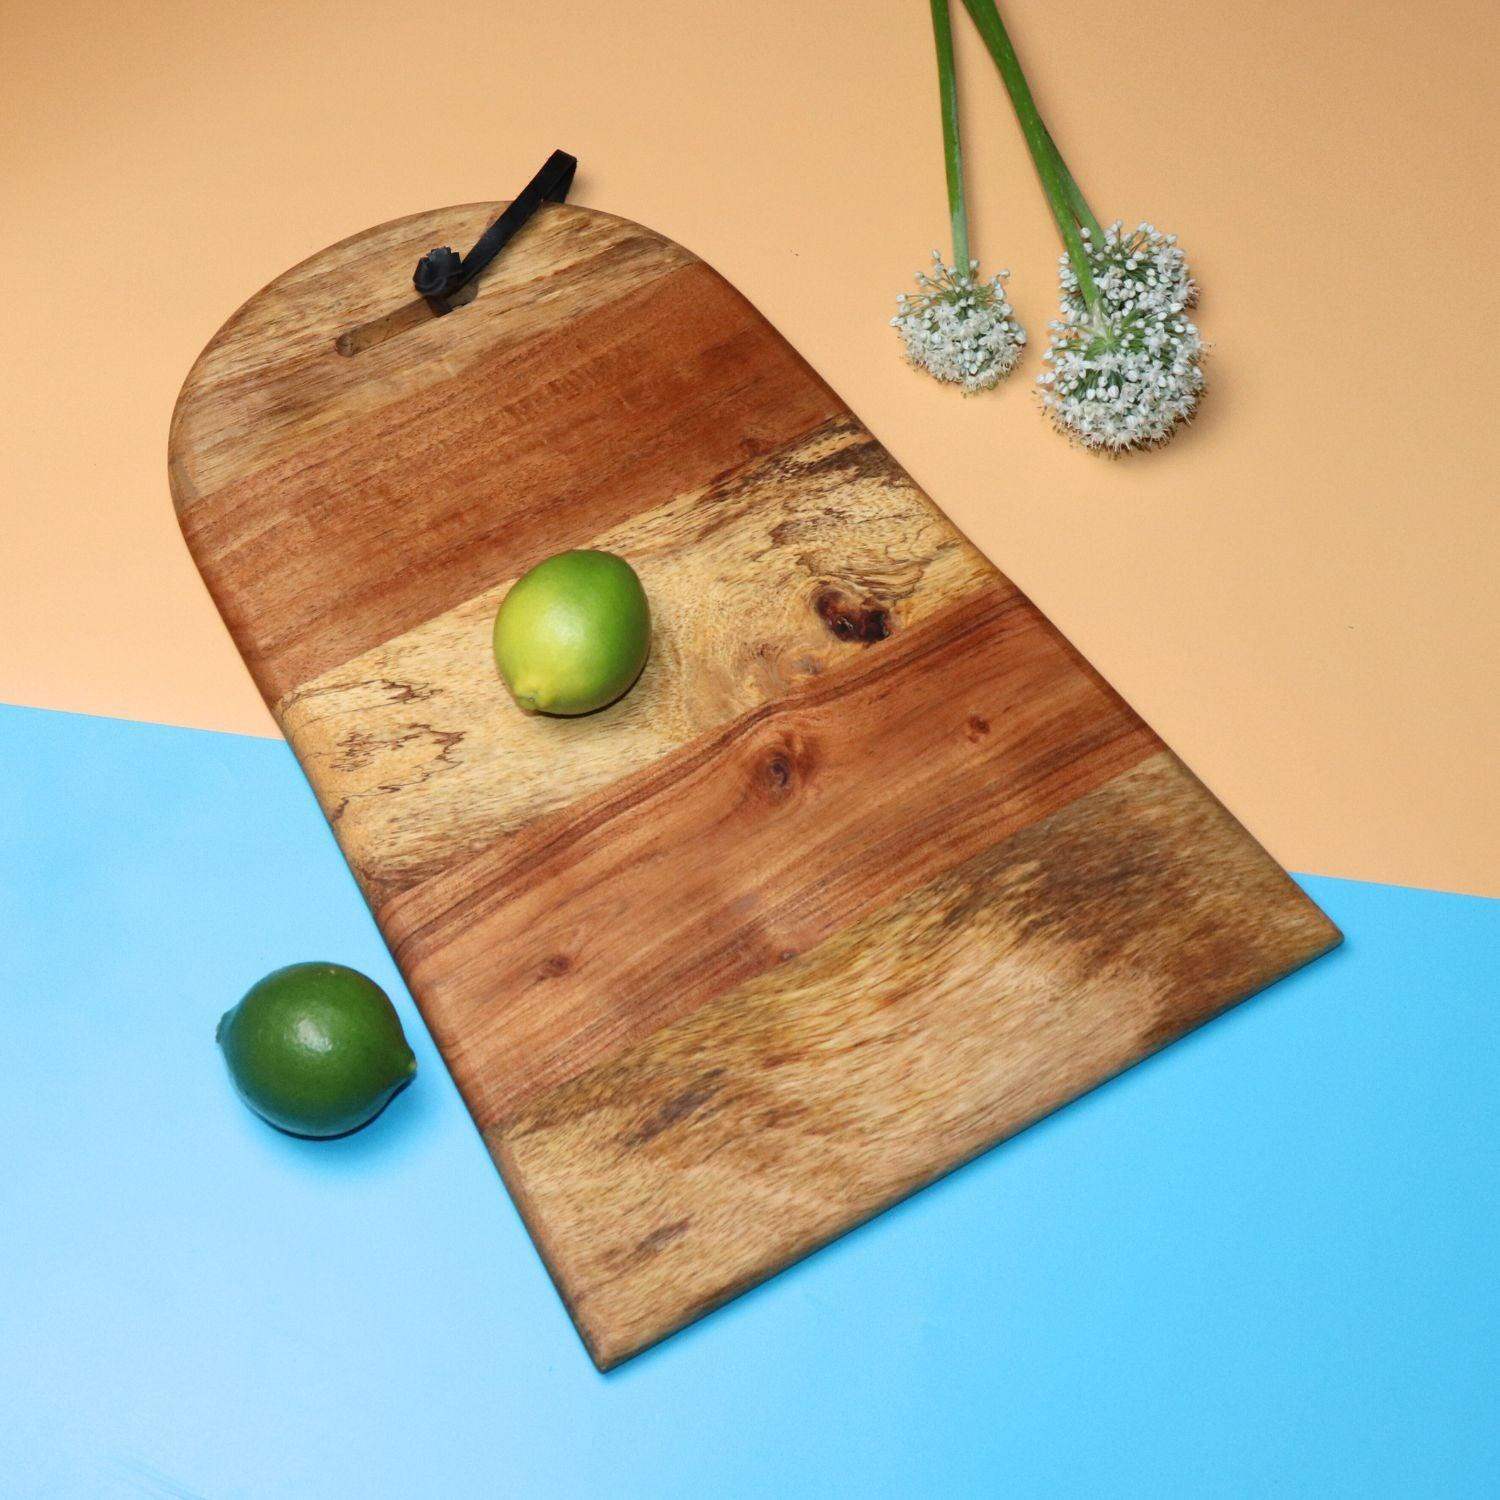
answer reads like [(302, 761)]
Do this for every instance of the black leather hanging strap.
[(442, 273)]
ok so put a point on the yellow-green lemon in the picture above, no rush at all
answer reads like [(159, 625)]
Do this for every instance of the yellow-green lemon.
[(316, 1049), (573, 633)]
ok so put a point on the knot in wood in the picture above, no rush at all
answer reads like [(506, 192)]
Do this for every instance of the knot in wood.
[(848, 621), (778, 773)]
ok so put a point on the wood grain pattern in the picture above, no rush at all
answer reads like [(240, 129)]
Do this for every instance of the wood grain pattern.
[(789, 818), (412, 763), (597, 424), (869, 870), (269, 385), (793, 1105)]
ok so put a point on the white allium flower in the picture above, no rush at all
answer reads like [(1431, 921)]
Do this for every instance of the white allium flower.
[(1141, 262), (959, 328), (1127, 372)]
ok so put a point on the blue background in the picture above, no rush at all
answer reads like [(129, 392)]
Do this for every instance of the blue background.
[(1264, 1260)]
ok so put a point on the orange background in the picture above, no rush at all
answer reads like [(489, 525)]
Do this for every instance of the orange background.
[(1299, 593)]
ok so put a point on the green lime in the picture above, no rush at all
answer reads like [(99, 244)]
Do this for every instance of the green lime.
[(316, 1049), (572, 634)]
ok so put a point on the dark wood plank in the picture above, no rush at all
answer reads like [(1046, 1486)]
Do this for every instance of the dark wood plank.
[(411, 508)]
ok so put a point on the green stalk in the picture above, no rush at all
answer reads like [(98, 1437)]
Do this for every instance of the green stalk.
[(1081, 210), (1055, 177), (953, 156)]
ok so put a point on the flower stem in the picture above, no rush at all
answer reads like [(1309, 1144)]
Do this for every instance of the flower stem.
[(953, 156), (1081, 210), (1063, 197)]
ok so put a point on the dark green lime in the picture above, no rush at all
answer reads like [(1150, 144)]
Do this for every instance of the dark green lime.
[(316, 1049)]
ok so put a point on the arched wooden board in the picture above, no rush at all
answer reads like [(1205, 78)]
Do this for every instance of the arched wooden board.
[(868, 872)]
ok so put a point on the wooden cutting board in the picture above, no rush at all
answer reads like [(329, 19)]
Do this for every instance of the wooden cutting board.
[(868, 872)]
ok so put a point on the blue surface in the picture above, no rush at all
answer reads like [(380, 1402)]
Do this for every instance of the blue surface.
[(1264, 1260)]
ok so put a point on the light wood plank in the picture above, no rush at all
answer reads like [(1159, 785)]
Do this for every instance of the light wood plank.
[(758, 582)]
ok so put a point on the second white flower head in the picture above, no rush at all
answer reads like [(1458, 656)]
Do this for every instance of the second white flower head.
[(1126, 372), (959, 328)]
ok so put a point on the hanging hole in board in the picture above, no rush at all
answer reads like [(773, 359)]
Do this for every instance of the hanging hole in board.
[(409, 315)]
